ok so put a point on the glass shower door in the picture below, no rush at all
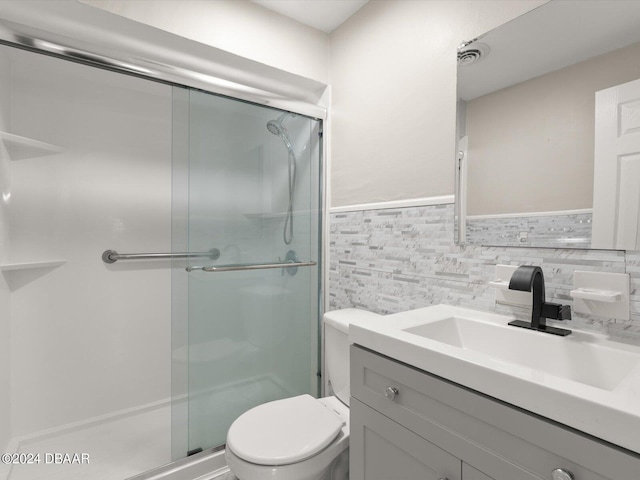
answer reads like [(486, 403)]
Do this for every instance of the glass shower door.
[(253, 201)]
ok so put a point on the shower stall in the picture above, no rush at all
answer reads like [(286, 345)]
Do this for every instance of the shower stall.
[(160, 264)]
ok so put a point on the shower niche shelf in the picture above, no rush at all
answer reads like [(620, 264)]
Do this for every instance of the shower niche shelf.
[(20, 148), (8, 267)]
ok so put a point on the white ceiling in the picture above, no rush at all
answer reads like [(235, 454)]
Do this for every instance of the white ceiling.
[(323, 15), (550, 37)]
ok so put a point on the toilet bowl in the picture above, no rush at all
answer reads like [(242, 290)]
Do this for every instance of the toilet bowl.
[(300, 438), (305, 446)]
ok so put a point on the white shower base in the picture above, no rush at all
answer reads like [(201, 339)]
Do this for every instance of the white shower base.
[(133, 444), (119, 447)]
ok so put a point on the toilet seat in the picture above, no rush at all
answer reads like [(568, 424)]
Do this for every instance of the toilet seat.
[(284, 431)]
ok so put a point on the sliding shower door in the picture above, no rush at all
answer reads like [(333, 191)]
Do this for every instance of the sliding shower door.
[(247, 208)]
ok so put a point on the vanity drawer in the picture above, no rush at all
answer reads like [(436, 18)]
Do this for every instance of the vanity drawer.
[(478, 428), (380, 449)]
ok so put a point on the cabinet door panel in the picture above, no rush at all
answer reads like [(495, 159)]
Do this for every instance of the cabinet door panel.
[(382, 450)]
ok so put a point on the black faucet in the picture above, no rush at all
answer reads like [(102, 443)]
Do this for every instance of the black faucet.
[(530, 278)]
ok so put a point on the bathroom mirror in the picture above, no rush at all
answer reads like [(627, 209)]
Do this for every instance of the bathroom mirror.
[(526, 128)]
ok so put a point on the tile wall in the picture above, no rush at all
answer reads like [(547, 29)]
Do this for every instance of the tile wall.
[(559, 231), (393, 260)]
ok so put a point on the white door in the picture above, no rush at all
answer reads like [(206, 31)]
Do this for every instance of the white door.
[(616, 183)]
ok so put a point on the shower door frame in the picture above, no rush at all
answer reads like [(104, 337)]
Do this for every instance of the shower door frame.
[(62, 40), (155, 55)]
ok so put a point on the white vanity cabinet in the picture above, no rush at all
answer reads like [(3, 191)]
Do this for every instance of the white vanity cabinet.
[(426, 427)]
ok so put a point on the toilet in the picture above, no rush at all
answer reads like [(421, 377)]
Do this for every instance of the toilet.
[(301, 438)]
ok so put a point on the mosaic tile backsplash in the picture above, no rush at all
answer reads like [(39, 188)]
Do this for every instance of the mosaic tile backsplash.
[(559, 231), (393, 260)]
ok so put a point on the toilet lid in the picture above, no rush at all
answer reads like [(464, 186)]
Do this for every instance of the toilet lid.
[(283, 432)]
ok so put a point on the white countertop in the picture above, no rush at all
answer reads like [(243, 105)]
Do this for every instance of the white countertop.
[(596, 388)]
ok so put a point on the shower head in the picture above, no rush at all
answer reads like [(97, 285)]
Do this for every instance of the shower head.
[(275, 126)]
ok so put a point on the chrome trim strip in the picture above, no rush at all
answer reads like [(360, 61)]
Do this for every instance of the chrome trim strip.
[(255, 266)]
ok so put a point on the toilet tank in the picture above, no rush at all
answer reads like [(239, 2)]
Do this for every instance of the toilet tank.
[(336, 348)]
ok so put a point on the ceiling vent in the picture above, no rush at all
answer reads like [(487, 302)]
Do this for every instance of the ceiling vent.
[(472, 53)]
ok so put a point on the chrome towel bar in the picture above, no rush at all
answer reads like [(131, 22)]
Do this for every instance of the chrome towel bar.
[(111, 256), (255, 266)]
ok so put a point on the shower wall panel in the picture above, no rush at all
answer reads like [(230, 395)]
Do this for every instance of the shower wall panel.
[(5, 179), (88, 339)]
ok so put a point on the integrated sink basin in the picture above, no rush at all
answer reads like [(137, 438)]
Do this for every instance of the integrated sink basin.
[(584, 362), (585, 380)]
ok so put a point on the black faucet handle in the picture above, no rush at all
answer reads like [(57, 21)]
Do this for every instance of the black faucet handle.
[(565, 312), (556, 311)]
